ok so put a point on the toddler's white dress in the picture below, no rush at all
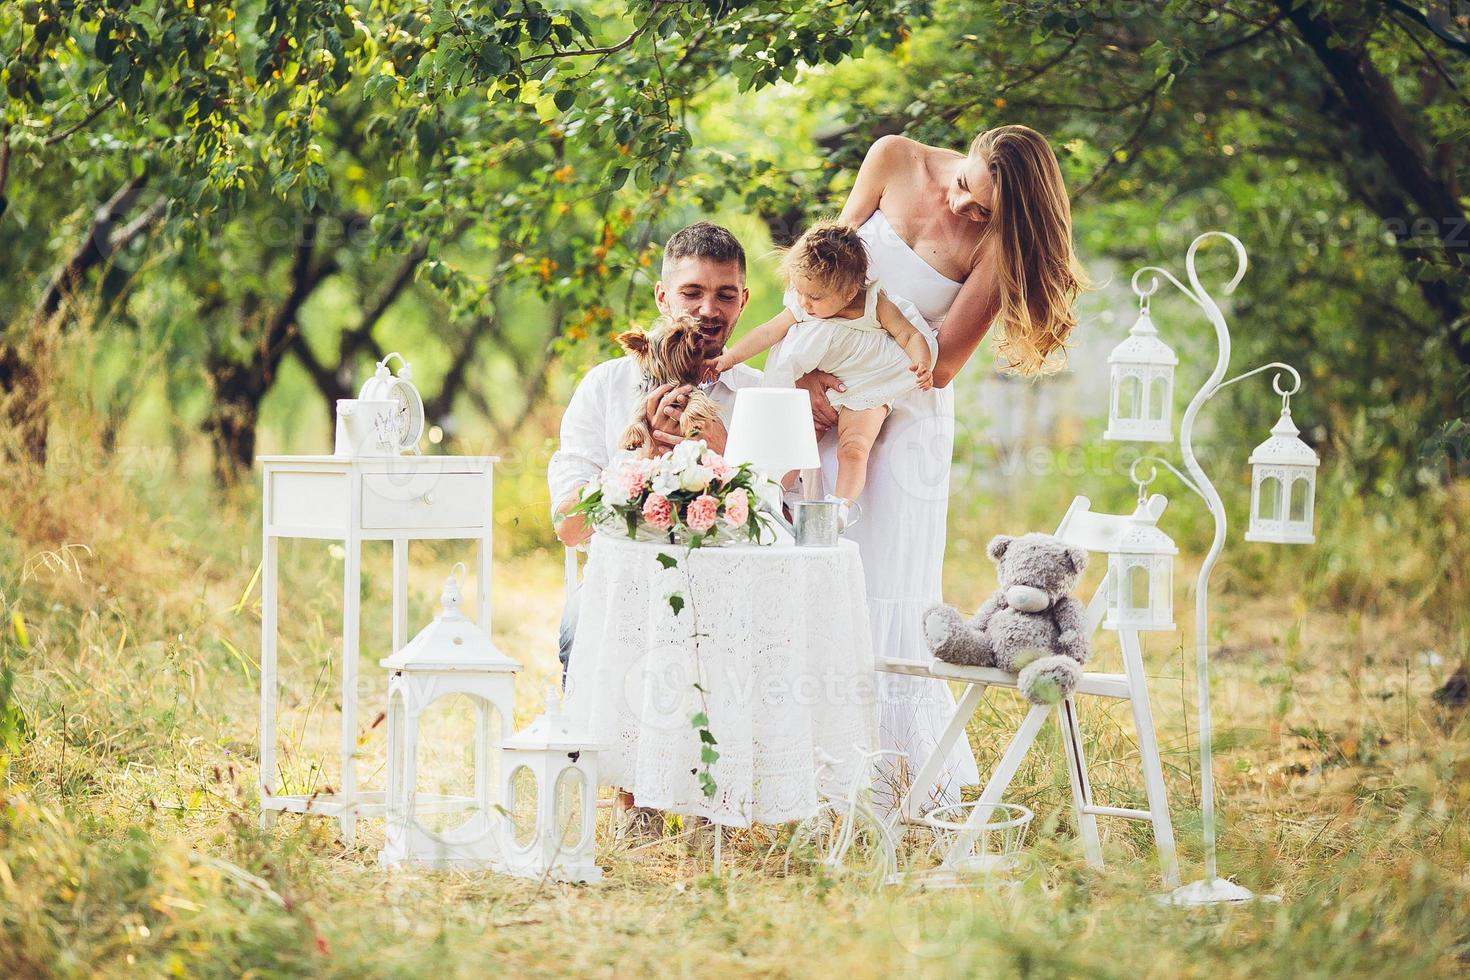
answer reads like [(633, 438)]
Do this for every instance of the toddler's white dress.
[(869, 361)]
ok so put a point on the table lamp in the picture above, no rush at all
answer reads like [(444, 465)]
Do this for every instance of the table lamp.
[(772, 430)]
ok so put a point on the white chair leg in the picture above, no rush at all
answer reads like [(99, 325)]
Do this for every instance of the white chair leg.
[(1148, 750), (1081, 788), (918, 790), (999, 780)]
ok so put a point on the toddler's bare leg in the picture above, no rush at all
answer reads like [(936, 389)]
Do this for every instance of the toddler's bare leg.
[(857, 430)]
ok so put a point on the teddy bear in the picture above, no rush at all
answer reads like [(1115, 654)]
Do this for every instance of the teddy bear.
[(1032, 625)]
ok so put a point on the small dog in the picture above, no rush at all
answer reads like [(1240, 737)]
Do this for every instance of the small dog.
[(670, 351)]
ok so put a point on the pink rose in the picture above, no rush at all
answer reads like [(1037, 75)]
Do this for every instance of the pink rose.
[(635, 477), (737, 508), (717, 465), (702, 513), (658, 511)]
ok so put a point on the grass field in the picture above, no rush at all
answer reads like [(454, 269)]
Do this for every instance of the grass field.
[(129, 841)]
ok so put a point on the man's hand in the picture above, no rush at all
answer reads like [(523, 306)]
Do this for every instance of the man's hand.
[(816, 384), (571, 531), (714, 435), (665, 407)]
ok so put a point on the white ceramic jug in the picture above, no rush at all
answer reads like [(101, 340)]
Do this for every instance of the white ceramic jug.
[(367, 427)]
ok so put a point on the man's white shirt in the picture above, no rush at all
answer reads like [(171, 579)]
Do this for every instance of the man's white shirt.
[(600, 411)]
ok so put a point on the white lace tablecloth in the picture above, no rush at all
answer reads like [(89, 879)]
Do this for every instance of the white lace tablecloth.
[(777, 637)]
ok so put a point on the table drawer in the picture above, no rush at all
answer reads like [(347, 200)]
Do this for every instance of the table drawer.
[(424, 500)]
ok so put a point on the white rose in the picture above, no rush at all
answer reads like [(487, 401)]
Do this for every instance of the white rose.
[(687, 453), (665, 480), (696, 477), (614, 488)]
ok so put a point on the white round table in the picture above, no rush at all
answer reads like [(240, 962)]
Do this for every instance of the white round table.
[(777, 636)]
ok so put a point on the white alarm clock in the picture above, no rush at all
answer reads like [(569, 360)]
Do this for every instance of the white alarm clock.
[(399, 389)]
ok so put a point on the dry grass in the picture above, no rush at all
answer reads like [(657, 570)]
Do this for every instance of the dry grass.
[(129, 842)]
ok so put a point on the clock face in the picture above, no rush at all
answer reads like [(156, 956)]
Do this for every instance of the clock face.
[(409, 415)]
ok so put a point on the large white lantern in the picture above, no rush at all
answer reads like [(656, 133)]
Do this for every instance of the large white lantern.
[(451, 656), (1141, 576), (1283, 486), (1141, 383), (551, 799)]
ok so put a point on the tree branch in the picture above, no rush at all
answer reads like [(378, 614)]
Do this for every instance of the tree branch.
[(1418, 16), (1128, 145), (1243, 40), (86, 121), (91, 251)]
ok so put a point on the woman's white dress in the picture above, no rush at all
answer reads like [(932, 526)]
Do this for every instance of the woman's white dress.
[(873, 366), (901, 530)]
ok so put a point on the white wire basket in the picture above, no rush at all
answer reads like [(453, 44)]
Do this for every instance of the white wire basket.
[(980, 837)]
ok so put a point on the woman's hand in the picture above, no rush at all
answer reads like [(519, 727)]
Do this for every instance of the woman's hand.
[(816, 384)]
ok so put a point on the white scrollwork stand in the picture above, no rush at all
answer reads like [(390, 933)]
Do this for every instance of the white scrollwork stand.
[(1212, 889)]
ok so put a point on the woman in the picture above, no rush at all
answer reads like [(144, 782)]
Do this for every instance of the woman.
[(970, 239)]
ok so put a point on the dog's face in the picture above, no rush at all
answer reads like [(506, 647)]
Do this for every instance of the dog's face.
[(671, 350)]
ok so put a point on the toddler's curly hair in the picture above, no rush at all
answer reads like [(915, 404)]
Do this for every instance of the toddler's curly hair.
[(831, 254)]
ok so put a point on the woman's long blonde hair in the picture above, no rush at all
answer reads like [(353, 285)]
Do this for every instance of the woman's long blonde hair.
[(1031, 228)]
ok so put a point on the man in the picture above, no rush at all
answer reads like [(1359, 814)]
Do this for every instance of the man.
[(703, 275)]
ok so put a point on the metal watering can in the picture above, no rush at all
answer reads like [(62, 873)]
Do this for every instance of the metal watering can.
[(816, 522)]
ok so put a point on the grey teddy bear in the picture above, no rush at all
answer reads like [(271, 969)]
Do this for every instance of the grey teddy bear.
[(1032, 625)]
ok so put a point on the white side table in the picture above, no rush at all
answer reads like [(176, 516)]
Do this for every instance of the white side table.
[(356, 499)]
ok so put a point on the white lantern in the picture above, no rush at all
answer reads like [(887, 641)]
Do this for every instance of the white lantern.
[(1283, 486), (451, 656), (1141, 576), (550, 792), (1141, 383)]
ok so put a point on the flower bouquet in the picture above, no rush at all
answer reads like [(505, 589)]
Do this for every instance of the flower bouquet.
[(688, 495)]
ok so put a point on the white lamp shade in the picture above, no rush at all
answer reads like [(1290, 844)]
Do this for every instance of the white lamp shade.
[(772, 430)]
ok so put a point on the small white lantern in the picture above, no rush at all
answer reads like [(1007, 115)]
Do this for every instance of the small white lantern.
[(1141, 385), (551, 795), (451, 656), (1283, 486), (1141, 576)]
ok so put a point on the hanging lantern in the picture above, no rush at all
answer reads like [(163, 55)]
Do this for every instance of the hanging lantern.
[(449, 659), (1141, 385), (1141, 575), (1283, 485), (551, 797)]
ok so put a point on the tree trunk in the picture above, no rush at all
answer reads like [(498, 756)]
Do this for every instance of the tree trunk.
[(238, 391)]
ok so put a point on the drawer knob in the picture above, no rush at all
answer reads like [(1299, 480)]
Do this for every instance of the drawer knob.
[(428, 498)]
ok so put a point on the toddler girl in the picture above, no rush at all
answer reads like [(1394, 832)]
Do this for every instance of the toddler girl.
[(847, 326)]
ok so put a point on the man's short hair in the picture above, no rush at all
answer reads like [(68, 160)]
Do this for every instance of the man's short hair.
[(705, 240)]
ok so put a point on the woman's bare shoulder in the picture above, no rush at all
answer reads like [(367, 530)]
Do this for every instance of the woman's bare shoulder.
[(895, 143), (896, 152)]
